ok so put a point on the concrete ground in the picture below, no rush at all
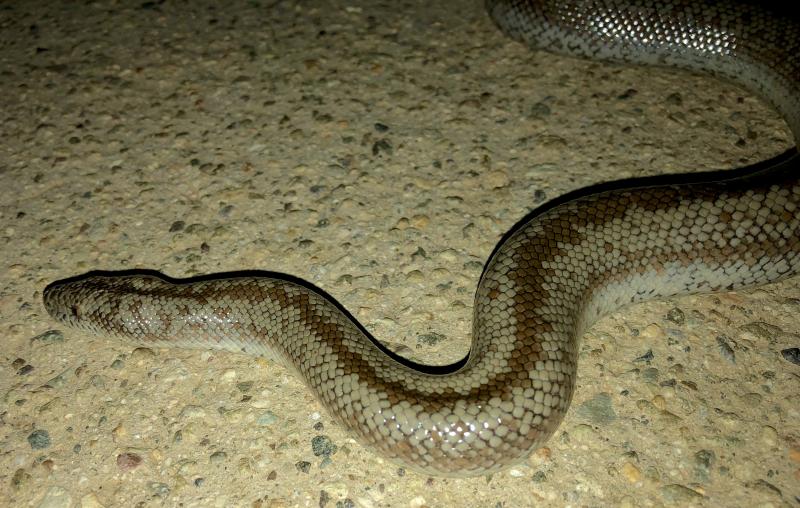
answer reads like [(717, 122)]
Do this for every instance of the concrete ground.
[(378, 150)]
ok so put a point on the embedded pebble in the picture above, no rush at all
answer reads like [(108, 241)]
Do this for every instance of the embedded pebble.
[(703, 461), (39, 439), (653, 331), (190, 412), (267, 418), (60, 380), (725, 349), (539, 477), (792, 355), (496, 179), (631, 472), (766, 488), (430, 338), (49, 337), (449, 256), (769, 435), (680, 494), (119, 432), (583, 433), (91, 500), (233, 415), (540, 110), (218, 457), (676, 315), (56, 497), (323, 446), (159, 489), (763, 330), (598, 410), (420, 221), (415, 277), (140, 354), (660, 402), (128, 461), (650, 374)]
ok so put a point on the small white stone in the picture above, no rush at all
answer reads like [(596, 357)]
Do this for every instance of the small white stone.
[(91, 500), (56, 497), (652, 331)]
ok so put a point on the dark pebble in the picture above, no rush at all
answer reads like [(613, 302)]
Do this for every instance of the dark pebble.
[(303, 466), (791, 354), (159, 489), (676, 315), (598, 410), (725, 349), (539, 477), (39, 439), (764, 330), (674, 99), (430, 338), (540, 110), (382, 145), (703, 461), (49, 337), (323, 446)]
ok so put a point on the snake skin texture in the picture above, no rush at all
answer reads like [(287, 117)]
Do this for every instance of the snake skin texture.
[(545, 284)]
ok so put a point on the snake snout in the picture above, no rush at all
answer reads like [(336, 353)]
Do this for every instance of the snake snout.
[(66, 301), (55, 304)]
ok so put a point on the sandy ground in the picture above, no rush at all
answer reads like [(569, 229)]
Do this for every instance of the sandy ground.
[(378, 150)]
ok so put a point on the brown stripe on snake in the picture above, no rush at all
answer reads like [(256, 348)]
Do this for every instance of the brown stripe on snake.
[(547, 281)]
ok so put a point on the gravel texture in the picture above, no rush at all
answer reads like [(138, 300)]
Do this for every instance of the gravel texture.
[(378, 150)]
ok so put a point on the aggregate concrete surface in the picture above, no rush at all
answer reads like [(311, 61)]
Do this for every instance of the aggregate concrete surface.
[(378, 150)]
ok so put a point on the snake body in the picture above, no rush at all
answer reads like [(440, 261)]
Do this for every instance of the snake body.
[(546, 282)]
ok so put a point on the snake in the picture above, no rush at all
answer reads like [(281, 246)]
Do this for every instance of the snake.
[(555, 273)]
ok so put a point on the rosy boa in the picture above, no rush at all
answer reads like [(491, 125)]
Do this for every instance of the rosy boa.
[(547, 281)]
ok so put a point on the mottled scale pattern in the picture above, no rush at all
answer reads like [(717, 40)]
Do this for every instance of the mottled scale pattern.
[(547, 281)]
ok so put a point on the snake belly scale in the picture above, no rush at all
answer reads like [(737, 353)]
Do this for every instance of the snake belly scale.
[(547, 281)]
